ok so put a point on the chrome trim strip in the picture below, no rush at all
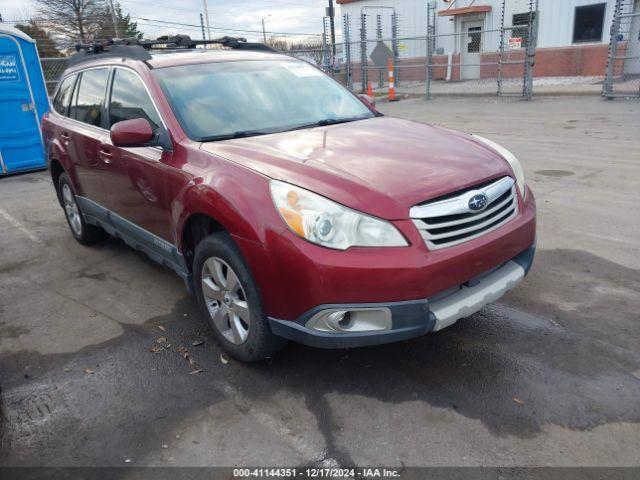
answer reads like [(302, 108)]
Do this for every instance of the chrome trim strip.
[(2, 165), (433, 246), (422, 223), (460, 204), (455, 233)]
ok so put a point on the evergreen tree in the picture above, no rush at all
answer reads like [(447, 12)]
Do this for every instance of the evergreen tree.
[(127, 28)]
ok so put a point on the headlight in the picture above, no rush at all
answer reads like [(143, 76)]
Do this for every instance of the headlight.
[(511, 160), (330, 224)]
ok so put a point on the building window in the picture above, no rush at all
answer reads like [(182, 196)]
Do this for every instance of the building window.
[(589, 22), (521, 26)]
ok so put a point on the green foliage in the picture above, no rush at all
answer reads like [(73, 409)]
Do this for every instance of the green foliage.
[(127, 28)]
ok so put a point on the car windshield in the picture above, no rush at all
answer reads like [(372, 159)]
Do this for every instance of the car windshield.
[(217, 101)]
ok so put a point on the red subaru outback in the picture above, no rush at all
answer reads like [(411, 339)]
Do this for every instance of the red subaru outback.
[(290, 206)]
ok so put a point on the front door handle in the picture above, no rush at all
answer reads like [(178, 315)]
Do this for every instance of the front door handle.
[(105, 155), (65, 138)]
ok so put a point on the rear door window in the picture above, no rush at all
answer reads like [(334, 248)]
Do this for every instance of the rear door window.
[(63, 97), (129, 99), (88, 105)]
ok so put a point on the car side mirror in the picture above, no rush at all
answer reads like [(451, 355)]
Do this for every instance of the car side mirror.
[(368, 100), (136, 132)]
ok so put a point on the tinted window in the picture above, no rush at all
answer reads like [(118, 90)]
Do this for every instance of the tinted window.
[(129, 99), (588, 24), (224, 99), (63, 97), (87, 107)]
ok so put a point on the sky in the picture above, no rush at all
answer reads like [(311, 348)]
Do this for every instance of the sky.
[(289, 16)]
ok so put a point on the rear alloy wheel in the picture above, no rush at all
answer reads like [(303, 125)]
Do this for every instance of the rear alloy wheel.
[(229, 297), (82, 232), (225, 300), (71, 210)]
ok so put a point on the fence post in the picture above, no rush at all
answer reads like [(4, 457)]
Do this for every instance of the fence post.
[(607, 87), (346, 32), (363, 51), (431, 39), (379, 38), (394, 45), (326, 61), (532, 39), (501, 52)]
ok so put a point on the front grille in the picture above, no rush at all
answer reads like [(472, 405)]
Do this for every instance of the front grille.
[(450, 221)]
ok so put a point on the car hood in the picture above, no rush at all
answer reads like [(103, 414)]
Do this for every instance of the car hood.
[(382, 166)]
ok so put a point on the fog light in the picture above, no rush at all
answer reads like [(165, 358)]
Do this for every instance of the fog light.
[(352, 320), (339, 320)]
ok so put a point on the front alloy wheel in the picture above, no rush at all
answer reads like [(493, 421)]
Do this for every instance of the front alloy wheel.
[(229, 297), (225, 300)]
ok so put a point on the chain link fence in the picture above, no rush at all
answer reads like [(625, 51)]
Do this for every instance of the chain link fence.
[(52, 69), (474, 55), (475, 58), (623, 69)]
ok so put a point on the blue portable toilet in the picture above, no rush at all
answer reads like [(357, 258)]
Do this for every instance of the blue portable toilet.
[(23, 102)]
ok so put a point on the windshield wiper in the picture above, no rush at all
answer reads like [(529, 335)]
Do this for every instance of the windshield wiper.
[(238, 134), (255, 133), (327, 121)]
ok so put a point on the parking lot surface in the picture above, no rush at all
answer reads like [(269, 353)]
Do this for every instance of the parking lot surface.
[(92, 340)]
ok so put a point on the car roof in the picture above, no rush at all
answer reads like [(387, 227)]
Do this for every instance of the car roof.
[(201, 55), (179, 57)]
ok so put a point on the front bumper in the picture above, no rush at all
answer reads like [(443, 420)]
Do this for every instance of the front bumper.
[(415, 317)]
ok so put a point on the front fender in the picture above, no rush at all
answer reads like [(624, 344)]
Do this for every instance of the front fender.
[(237, 198)]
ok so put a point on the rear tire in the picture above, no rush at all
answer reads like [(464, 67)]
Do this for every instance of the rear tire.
[(229, 297), (84, 233)]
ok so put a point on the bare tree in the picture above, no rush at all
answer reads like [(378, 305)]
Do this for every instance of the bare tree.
[(308, 48), (75, 20)]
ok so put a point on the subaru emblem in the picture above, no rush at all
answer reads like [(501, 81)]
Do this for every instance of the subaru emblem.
[(478, 202)]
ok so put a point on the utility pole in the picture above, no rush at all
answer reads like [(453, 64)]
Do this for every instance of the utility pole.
[(332, 26), (114, 20), (202, 27), (0, 18), (206, 17), (264, 31)]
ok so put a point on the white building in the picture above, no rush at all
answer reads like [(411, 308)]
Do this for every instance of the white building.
[(573, 35)]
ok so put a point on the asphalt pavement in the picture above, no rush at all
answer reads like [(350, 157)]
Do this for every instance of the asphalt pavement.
[(98, 345)]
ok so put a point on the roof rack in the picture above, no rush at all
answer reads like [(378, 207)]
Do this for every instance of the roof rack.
[(137, 49)]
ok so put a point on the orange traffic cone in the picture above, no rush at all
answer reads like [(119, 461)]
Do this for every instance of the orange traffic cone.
[(392, 85), (369, 89)]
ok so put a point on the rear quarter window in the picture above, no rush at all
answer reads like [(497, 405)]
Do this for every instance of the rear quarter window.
[(62, 99)]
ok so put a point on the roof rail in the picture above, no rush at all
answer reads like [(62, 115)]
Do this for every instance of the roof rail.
[(137, 49)]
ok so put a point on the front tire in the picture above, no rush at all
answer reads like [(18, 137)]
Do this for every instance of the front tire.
[(229, 297), (84, 233)]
